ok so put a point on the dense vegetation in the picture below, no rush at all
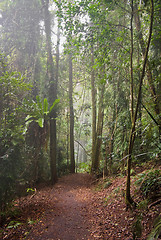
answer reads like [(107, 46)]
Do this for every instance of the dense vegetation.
[(80, 89)]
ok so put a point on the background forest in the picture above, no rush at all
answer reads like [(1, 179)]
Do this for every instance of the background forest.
[(80, 89)]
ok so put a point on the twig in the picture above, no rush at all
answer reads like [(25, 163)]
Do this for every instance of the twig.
[(33, 193)]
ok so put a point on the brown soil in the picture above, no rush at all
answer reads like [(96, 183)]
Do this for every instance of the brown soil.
[(74, 209)]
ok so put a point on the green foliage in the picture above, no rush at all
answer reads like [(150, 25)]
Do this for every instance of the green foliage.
[(105, 26), (12, 120), (156, 231), (84, 167), (149, 183), (11, 212), (14, 224), (143, 205), (29, 190), (41, 111)]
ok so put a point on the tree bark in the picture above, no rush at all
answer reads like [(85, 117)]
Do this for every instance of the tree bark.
[(93, 93), (72, 157), (131, 64), (98, 141), (113, 127)]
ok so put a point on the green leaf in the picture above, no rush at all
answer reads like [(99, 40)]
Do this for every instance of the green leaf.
[(119, 39), (30, 190), (156, 231), (40, 121), (39, 103), (54, 103), (45, 106), (27, 118), (14, 224)]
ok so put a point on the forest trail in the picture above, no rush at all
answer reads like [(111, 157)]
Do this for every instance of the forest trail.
[(76, 209), (67, 218)]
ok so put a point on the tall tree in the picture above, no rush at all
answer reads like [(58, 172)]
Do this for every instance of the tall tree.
[(72, 157), (93, 94), (52, 91), (129, 200), (153, 88), (98, 140)]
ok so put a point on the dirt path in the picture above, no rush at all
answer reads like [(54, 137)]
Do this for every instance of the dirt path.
[(67, 219), (73, 209)]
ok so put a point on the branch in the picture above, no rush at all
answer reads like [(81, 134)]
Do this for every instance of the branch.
[(150, 115), (82, 147)]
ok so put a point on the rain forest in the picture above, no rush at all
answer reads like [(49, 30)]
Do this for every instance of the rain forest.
[(80, 119)]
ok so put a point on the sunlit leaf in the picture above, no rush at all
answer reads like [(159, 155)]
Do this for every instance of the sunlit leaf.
[(45, 106), (40, 121), (54, 103)]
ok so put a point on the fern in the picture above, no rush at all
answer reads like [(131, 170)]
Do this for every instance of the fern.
[(156, 231)]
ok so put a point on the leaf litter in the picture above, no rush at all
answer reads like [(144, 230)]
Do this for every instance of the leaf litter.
[(76, 208)]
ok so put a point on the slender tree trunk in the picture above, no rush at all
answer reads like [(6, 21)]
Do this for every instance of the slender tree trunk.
[(140, 106), (131, 64), (67, 139), (129, 200), (155, 97), (57, 54), (98, 142), (72, 157), (1, 105), (113, 127), (56, 86), (128, 196), (106, 157), (52, 92), (93, 93)]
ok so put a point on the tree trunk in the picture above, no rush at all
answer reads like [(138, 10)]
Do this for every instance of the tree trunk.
[(105, 161), (52, 92), (113, 127), (129, 200), (155, 97), (98, 142), (72, 157), (67, 140), (93, 93), (57, 55), (131, 65)]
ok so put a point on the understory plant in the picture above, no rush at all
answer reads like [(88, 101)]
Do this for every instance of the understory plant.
[(149, 183)]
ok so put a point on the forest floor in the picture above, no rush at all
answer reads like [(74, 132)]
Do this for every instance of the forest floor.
[(77, 207)]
